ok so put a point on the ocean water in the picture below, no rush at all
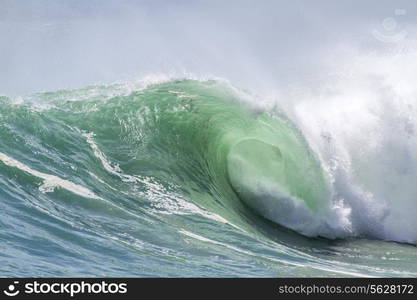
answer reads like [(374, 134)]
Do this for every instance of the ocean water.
[(192, 178)]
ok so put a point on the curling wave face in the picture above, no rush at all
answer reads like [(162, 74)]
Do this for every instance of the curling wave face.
[(181, 172)]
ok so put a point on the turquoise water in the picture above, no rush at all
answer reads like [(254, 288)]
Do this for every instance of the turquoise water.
[(182, 178)]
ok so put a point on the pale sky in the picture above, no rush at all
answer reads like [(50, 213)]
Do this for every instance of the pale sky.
[(53, 44)]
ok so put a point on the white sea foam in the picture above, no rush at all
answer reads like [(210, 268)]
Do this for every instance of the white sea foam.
[(362, 122), (50, 181)]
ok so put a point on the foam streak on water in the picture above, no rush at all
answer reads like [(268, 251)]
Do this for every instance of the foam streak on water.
[(50, 181)]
